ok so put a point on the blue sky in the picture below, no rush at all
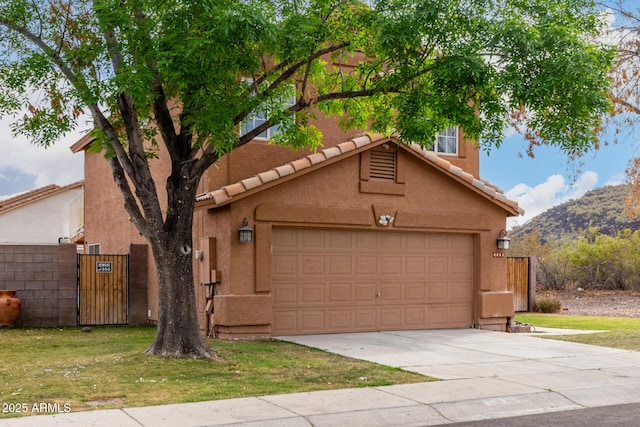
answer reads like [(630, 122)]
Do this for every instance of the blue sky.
[(550, 178)]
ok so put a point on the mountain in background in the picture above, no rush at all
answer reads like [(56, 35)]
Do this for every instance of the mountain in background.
[(600, 208)]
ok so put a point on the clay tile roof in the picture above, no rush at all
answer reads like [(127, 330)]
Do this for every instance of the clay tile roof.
[(228, 192), (34, 195), (285, 170)]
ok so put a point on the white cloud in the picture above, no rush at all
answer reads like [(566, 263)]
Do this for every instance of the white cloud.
[(552, 192), (617, 179), (52, 165)]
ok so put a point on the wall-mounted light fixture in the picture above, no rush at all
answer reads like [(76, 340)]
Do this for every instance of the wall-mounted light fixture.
[(503, 241), (245, 233), (385, 220)]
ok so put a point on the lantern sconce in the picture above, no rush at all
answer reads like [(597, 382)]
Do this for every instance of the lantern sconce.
[(245, 233), (503, 241)]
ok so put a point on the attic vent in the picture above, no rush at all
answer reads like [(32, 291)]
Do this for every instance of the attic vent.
[(383, 165)]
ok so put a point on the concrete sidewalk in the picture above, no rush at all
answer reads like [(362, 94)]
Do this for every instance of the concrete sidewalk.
[(486, 375)]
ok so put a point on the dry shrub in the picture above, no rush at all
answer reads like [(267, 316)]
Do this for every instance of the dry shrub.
[(548, 305)]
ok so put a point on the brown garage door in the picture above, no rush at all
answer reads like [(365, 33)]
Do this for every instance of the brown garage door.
[(340, 280)]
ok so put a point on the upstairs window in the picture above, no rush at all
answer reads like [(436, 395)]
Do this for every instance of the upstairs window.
[(447, 142), (261, 116)]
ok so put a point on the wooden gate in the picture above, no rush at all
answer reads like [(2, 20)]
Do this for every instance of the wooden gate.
[(103, 289), (521, 281)]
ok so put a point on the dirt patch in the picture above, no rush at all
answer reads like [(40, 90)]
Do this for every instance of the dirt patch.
[(597, 303), (101, 402)]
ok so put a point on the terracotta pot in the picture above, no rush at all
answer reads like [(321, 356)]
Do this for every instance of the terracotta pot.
[(9, 308)]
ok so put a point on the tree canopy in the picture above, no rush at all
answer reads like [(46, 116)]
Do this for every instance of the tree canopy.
[(625, 91), (187, 74), (419, 66)]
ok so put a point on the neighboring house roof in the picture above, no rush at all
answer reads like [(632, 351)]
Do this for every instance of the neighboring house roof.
[(311, 162), (35, 195)]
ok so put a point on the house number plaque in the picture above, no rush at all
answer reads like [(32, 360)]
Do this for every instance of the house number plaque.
[(104, 267)]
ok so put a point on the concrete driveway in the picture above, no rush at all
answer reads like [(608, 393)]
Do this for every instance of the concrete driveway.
[(499, 364)]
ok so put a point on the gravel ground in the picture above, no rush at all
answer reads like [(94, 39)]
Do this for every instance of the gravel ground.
[(597, 303)]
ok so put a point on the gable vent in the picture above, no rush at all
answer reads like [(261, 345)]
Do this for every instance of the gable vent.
[(383, 165)]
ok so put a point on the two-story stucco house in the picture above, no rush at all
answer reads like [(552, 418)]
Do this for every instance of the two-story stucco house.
[(363, 235)]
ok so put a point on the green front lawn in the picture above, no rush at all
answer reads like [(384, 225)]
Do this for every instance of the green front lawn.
[(622, 332), (107, 368)]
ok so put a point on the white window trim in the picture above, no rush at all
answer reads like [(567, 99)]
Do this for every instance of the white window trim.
[(443, 134), (261, 117)]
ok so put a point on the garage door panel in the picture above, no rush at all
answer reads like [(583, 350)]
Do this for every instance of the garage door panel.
[(391, 292), (367, 265), (437, 291), (312, 265), (459, 291), (285, 265), (312, 239), (366, 292), (413, 317), (390, 241), (461, 265), (339, 320), (340, 265), (438, 243), (286, 321), (340, 293), (459, 243), (438, 265), (416, 242), (365, 319), (287, 294), (311, 321), (312, 293), (460, 314), (437, 315), (342, 280), (415, 265), (340, 241), (415, 291), (365, 241), (285, 238), (391, 265), (390, 318)]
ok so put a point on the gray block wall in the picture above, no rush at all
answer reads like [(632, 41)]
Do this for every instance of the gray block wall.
[(44, 277)]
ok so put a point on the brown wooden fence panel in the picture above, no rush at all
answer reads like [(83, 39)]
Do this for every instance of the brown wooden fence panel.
[(518, 282), (103, 289)]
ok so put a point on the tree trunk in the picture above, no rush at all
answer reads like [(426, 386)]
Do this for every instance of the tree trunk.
[(178, 332)]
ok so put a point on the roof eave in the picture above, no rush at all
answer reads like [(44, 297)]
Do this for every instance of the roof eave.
[(288, 171)]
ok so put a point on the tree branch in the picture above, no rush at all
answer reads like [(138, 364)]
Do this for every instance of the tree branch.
[(634, 109), (49, 51), (286, 74)]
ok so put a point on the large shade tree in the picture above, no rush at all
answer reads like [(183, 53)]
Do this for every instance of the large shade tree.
[(186, 74), (625, 91)]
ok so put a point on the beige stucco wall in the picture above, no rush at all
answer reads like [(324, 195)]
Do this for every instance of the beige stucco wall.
[(108, 224), (330, 197)]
